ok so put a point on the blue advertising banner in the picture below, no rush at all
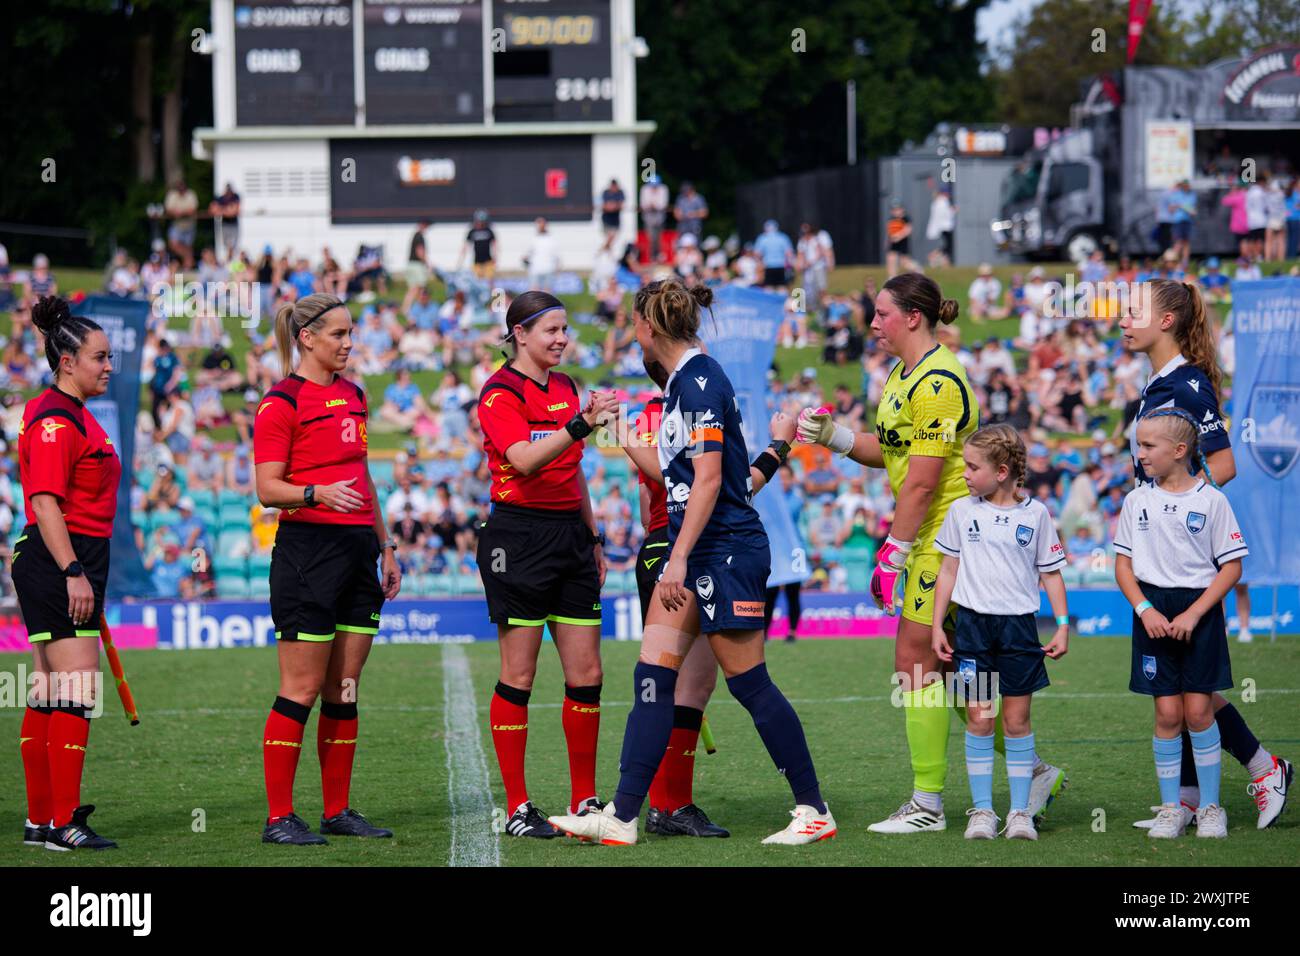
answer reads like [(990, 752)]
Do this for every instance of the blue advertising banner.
[(196, 625), (741, 335), (123, 321), (1266, 427)]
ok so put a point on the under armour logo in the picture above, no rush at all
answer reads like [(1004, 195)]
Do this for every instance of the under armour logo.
[(1002, 519), (1171, 509)]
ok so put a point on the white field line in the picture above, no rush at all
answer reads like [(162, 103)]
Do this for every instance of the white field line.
[(473, 839)]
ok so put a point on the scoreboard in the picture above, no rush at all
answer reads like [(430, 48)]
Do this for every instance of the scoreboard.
[(418, 62)]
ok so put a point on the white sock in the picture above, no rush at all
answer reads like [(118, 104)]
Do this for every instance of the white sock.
[(1190, 796), (1260, 764), (932, 802)]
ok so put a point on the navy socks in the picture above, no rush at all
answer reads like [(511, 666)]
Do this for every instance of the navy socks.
[(649, 726), (782, 734)]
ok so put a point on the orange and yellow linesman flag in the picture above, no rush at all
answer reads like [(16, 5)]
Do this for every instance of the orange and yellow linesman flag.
[(115, 665)]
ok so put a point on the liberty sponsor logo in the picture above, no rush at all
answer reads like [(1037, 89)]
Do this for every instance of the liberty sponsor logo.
[(748, 608), (74, 909)]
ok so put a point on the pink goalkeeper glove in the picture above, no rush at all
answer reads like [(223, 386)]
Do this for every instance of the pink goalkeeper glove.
[(889, 580)]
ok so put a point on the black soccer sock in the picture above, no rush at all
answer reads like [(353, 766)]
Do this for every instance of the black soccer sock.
[(1235, 736)]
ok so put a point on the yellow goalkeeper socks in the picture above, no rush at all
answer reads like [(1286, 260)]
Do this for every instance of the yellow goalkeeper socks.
[(926, 716)]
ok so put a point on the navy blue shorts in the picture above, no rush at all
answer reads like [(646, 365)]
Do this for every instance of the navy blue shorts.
[(730, 583), (1164, 667), (1002, 644)]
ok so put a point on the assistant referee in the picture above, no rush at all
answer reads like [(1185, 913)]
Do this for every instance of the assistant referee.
[(309, 446), (70, 472), (539, 553)]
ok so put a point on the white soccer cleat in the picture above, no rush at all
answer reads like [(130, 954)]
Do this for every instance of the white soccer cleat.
[(1020, 826), (910, 818), (807, 826), (1270, 791), (602, 827), (1170, 822), (983, 824), (1047, 784), (1212, 821), (1189, 817), (1244, 636)]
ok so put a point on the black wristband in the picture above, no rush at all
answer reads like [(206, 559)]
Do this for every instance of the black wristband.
[(766, 465), (578, 428)]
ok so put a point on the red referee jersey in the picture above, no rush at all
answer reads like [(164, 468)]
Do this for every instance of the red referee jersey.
[(63, 451), (319, 432), (648, 432), (514, 408)]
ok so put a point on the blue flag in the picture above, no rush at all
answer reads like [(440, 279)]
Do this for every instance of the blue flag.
[(1266, 427), (123, 321), (741, 335)]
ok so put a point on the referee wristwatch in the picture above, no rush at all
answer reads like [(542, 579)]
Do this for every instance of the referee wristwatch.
[(781, 447), (309, 496), (73, 570), (388, 543), (598, 537)]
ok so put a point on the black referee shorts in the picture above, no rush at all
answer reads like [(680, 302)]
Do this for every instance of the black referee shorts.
[(1163, 667), (43, 590), (650, 563), (324, 579), (538, 566)]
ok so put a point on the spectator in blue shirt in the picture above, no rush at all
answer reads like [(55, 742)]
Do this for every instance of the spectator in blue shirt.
[(166, 379), (791, 494), (303, 279), (1293, 220), (1182, 203), (777, 252), (167, 569), (691, 211), (1214, 284), (423, 313), (191, 530), (403, 403)]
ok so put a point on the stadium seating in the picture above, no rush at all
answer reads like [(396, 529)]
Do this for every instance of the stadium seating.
[(234, 516)]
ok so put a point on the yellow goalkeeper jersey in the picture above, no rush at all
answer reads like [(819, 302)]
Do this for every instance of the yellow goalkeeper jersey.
[(929, 411)]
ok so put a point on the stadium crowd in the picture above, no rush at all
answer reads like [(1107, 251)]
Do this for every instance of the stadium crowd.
[(1055, 370)]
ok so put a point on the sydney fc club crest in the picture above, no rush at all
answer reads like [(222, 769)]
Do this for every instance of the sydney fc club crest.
[(1195, 522), (1149, 666), (1276, 412), (966, 669), (1024, 535)]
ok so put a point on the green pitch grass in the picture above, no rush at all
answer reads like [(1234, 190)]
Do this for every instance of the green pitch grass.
[(185, 787)]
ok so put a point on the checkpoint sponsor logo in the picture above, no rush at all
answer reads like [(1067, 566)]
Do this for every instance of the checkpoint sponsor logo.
[(748, 608)]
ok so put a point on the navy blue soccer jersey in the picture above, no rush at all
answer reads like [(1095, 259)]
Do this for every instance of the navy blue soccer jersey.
[(1182, 385), (701, 414)]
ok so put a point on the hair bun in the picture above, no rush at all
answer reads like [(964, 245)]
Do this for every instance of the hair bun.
[(703, 295), (49, 312), (948, 310)]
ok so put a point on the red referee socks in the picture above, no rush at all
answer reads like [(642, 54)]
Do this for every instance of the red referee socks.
[(508, 716), (336, 745), (281, 745), (673, 785), (69, 729), (36, 764), (581, 722)]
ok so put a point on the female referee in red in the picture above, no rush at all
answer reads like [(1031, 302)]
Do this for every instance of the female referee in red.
[(538, 551), (70, 472), (309, 447)]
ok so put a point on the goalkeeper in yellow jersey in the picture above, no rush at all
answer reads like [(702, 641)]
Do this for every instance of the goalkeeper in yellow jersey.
[(927, 411)]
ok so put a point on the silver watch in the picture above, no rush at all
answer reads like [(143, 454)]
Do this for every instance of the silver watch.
[(388, 543)]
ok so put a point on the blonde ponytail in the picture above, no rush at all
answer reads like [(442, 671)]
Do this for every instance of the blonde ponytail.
[(292, 317)]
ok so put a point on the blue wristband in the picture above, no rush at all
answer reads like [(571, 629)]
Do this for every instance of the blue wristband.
[(1141, 607), (1062, 620)]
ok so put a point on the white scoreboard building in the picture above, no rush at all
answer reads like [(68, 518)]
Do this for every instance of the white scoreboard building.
[(343, 122)]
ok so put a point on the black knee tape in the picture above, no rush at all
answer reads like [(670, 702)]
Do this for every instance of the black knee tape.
[(72, 708), (513, 694), (687, 718), (291, 709), (338, 711), (583, 695), (41, 708)]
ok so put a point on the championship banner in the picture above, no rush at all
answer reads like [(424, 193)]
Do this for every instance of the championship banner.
[(1266, 427), (741, 335), (123, 322)]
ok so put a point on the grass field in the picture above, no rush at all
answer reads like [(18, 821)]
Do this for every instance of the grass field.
[(196, 758)]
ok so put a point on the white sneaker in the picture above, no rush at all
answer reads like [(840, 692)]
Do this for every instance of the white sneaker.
[(602, 827), (1212, 821), (1270, 791), (808, 826), (1020, 826), (983, 824), (1170, 822), (1047, 783), (910, 818), (1244, 636), (1189, 817)]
